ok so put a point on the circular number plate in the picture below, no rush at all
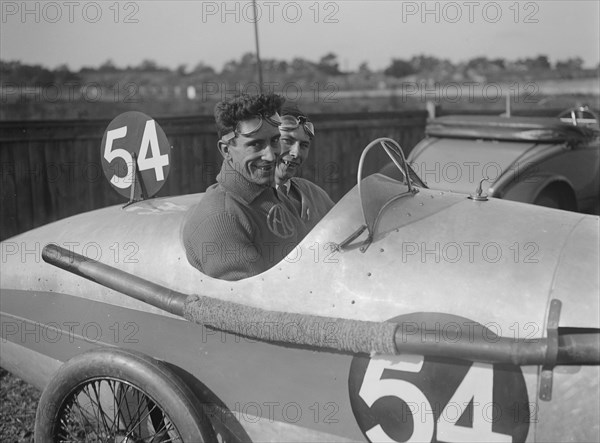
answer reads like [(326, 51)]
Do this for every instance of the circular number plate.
[(135, 150), (408, 398)]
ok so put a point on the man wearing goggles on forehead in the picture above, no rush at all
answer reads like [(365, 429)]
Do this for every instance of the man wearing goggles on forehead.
[(241, 227), (297, 133)]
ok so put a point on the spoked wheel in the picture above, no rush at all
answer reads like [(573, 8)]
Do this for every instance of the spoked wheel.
[(117, 396), (113, 411)]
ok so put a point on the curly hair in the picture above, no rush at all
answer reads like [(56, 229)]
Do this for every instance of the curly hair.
[(229, 113)]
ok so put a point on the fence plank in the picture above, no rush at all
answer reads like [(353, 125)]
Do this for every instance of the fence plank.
[(52, 169)]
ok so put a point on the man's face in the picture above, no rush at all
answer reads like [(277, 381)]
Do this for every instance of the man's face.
[(295, 146), (255, 155)]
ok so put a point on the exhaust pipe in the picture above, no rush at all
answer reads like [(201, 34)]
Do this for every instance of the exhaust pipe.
[(571, 347)]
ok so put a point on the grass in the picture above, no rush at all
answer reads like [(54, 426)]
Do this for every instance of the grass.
[(17, 408)]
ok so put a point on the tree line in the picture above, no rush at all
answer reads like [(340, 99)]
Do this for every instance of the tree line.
[(419, 67)]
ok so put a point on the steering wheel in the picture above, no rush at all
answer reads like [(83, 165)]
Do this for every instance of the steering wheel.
[(579, 114)]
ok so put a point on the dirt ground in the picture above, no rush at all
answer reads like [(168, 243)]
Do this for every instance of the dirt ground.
[(18, 402)]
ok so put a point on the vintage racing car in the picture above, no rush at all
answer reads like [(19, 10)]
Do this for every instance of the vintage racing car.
[(406, 314), (553, 162)]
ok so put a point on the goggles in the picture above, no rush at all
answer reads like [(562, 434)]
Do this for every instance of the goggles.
[(249, 127), (289, 123)]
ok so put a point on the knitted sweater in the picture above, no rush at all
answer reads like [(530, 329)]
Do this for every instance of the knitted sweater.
[(309, 199), (240, 228)]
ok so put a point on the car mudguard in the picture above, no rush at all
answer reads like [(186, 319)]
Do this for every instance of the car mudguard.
[(530, 188)]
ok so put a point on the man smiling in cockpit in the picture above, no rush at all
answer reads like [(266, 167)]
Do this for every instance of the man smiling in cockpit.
[(297, 133), (242, 227)]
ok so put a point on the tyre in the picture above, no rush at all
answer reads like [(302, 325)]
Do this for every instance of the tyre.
[(547, 200), (557, 197), (116, 395)]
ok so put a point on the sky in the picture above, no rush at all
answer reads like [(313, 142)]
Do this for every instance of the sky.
[(172, 33)]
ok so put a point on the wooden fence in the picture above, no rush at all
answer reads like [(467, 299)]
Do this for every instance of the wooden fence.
[(51, 169)]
